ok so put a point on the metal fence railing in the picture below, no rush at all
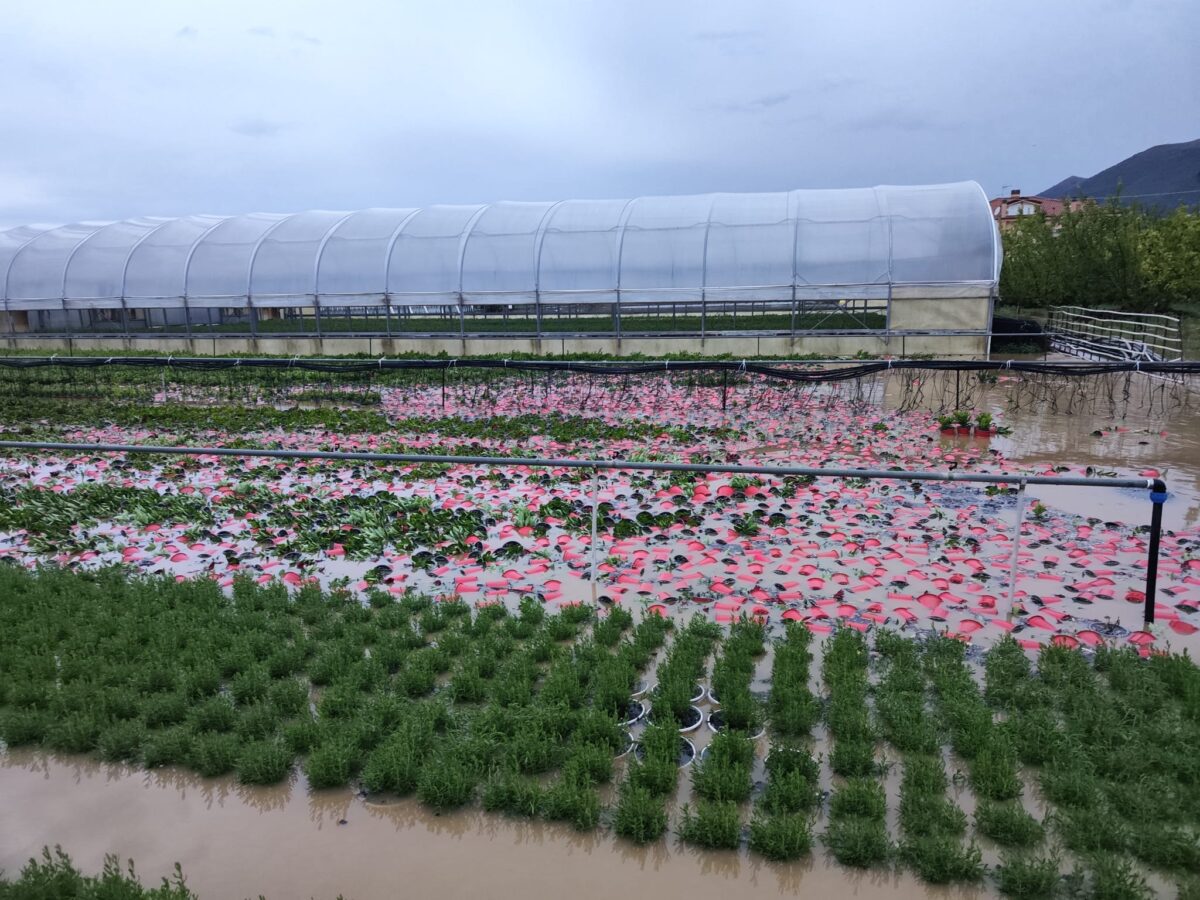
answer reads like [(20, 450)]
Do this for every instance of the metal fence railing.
[(1102, 334)]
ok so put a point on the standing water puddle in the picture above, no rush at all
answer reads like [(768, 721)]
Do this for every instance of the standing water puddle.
[(284, 842)]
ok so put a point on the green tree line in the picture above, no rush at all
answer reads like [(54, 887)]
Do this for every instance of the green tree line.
[(1104, 255)]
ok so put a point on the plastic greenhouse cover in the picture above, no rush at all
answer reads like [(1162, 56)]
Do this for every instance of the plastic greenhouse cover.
[(765, 246)]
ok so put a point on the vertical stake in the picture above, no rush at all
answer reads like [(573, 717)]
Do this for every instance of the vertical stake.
[(1158, 495), (595, 522), (724, 389), (443, 389), (1012, 569)]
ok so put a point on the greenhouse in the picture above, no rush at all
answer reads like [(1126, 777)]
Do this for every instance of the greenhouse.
[(811, 261)]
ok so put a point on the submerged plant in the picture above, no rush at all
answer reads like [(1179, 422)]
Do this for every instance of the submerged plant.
[(639, 815), (861, 843), (940, 859), (781, 837), (714, 824), (1022, 875)]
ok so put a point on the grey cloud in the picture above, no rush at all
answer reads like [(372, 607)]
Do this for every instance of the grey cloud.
[(258, 127), (266, 31), (414, 104), (757, 104), (897, 120), (726, 36)]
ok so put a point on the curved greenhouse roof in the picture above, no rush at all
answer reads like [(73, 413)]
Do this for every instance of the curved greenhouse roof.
[(773, 246)]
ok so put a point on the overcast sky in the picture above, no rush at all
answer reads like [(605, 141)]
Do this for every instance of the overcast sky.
[(166, 107)]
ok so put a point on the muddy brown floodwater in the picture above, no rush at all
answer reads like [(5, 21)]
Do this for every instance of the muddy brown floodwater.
[(286, 842), (1126, 436)]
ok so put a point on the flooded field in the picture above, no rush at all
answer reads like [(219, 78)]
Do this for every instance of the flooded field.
[(868, 557), (234, 841)]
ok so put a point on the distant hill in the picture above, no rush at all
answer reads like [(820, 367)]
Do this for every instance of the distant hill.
[(1162, 177), (1064, 188)]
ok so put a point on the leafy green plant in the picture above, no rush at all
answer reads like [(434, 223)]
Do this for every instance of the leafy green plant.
[(861, 797), (55, 876), (1008, 824), (331, 763), (1022, 875), (940, 859), (781, 837), (714, 824), (264, 762), (860, 843), (639, 815), (508, 792)]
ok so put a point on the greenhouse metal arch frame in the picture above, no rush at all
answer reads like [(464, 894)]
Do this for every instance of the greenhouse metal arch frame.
[(823, 248)]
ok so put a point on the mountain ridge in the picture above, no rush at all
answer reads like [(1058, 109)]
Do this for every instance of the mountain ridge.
[(1163, 177)]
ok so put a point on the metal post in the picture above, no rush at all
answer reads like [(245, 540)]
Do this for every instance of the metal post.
[(595, 521), (724, 388), (387, 316), (317, 316), (1012, 569), (443, 390), (957, 402), (1158, 496)]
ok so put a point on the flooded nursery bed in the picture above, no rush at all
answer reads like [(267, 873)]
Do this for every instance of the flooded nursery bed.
[(414, 650)]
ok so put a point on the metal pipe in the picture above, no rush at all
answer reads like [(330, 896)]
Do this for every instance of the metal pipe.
[(1158, 496), (1013, 571), (623, 464), (1187, 367)]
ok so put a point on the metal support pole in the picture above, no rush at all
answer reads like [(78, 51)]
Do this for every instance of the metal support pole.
[(317, 316), (1158, 496), (387, 316), (595, 527), (443, 390), (957, 402), (724, 389), (1012, 569)]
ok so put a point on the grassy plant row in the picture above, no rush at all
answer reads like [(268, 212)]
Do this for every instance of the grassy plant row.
[(857, 833), (722, 779), (931, 824), (407, 697), (781, 828)]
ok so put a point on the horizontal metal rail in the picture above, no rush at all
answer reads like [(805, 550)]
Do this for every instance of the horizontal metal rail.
[(623, 464), (798, 370)]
